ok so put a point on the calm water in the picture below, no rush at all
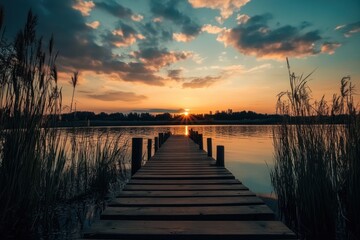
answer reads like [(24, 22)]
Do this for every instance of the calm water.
[(248, 149)]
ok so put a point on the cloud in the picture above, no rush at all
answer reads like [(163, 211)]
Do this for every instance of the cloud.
[(212, 29), (81, 48), (201, 82), (159, 110), (197, 58), (93, 25), (115, 9), (226, 7), (118, 96), (349, 29), (181, 37), (137, 17), (256, 38), (157, 19), (175, 74), (155, 58), (168, 10), (242, 18), (329, 47), (123, 36), (84, 7)]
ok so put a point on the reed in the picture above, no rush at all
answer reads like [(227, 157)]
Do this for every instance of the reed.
[(316, 172), (39, 167)]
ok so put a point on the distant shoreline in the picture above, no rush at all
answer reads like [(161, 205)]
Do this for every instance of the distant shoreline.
[(104, 123)]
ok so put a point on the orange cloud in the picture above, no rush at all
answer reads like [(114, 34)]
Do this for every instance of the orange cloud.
[(226, 7), (329, 47), (125, 40), (212, 29), (84, 7), (118, 96), (137, 17), (182, 37), (93, 25), (201, 82)]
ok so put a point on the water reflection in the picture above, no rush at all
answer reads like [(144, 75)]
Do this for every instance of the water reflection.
[(248, 149)]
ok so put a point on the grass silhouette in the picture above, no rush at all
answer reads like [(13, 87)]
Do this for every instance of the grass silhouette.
[(316, 172)]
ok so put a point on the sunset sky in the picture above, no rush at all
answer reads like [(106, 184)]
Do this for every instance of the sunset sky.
[(202, 55)]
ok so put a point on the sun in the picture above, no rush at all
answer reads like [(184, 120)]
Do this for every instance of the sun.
[(186, 113)]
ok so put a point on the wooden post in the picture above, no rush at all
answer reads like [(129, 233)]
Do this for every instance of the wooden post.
[(149, 148), (161, 139), (136, 155), (156, 144), (201, 142), (220, 156), (209, 147)]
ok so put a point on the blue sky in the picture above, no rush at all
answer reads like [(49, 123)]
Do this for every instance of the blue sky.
[(195, 54)]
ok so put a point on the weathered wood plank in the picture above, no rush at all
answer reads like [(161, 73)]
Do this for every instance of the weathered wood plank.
[(189, 170), (184, 172), (189, 230), (252, 212), (184, 181), (193, 187), (220, 193), (208, 176), (188, 201)]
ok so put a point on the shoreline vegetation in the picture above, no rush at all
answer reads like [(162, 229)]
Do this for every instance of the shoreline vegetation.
[(51, 183), (316, 175)]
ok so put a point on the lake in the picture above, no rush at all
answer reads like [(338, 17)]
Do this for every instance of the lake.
[(248, 148)]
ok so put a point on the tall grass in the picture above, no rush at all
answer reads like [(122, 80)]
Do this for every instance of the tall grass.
[(317, 171), (39, 167)]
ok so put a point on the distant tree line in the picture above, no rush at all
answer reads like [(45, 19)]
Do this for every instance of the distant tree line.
[(134, 116), (241, 117)]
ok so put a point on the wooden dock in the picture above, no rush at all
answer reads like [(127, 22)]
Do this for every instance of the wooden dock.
[(181, 194)]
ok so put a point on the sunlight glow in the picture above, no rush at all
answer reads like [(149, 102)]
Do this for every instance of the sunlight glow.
[(186, 112)]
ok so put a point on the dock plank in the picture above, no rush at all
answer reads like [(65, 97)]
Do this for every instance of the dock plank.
[(129, 229), (247, 212), (179, 187), (187, 176), (189, 201), (220, 193), (184, 181)]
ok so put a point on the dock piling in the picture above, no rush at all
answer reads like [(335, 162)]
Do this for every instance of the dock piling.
[(136, 155), (161, 139), (156, 144), (220, 156), (201, 147), (149, 145), (209, 147)]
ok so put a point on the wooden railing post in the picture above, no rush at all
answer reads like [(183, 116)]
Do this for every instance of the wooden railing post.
[(136, 155), (220, 156), (196, 140), (161, 139), (201, 142), (156, 144), (209, 147), (149, 145)]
